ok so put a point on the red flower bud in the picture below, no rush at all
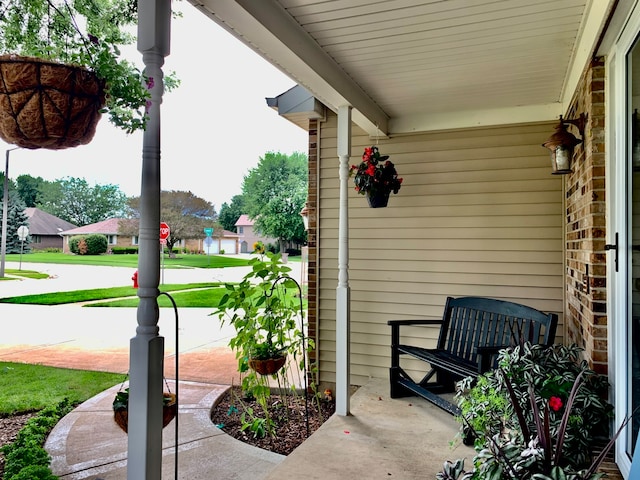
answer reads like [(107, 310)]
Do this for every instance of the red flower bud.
[(555, 403)]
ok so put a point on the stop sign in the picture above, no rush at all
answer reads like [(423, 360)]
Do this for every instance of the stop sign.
[(164, 231)]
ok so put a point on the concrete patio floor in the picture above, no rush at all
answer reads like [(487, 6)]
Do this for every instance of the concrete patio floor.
[(406, 439)]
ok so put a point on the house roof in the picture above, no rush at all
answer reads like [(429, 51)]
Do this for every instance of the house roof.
[(406, 66), (244, 221), (43, 223), (106, 227)]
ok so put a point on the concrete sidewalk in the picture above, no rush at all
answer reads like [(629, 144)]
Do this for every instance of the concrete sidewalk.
[(87, 443)]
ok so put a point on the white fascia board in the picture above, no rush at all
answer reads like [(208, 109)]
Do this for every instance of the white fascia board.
[(271, 32), (475, 118), (593, 23)]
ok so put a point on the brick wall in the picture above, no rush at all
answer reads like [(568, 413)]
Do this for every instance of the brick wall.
[(585, 314)]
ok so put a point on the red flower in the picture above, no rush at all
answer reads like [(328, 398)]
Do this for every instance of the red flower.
[(555, 403), (371, 171)]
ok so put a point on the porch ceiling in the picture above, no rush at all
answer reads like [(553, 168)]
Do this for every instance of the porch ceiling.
[(417, 65)]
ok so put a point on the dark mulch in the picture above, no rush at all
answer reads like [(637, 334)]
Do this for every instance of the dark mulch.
[(291, 425), (9, 428)]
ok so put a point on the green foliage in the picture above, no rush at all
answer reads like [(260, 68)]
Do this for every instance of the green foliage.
[(265, 310), (230, 213), (74, 200), (536, 417), (94, 244), (26, 458), (50, 30), (116, 250), (15, 219), (274, 193), (29, 189)]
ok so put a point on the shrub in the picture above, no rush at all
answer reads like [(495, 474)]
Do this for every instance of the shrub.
[(26, 458), (124, 250), (97, 244), (541, 410)]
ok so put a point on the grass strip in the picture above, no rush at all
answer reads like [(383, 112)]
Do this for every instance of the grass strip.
[(78, 296), (28, 388)]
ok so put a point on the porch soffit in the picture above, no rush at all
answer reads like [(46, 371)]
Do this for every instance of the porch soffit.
[(409, 66)]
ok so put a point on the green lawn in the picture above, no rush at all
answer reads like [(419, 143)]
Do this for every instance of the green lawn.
[(180, 261), (200, 295), (28, 388)]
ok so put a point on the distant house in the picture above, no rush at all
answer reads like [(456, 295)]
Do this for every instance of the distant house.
[(45, 229), (228, 242), (109, 228), (244, 227)]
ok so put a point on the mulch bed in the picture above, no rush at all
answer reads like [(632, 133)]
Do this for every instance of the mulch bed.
[(290, 422), (9, 428)]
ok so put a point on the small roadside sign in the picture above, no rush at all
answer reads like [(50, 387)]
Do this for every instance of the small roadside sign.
[(23, 232), (164, 231), (208, 232), (208, 241)]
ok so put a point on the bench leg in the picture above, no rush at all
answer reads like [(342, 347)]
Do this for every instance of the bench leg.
[(397, 390)]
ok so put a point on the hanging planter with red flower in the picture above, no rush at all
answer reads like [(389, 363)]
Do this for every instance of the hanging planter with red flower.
[(375, 177)]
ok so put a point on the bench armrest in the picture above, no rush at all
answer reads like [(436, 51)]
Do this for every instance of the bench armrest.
[(414, 322)]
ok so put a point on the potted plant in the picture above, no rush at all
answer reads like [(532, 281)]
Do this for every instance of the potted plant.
[(265, 321), (121, 408), (61, 68), (376, 177), (538, 416)]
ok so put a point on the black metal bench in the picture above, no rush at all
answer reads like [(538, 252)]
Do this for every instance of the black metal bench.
[(472, 332)]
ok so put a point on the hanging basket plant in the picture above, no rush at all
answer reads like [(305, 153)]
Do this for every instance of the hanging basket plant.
[(121, 409), (61, 69), (48, 105), (375, 177)]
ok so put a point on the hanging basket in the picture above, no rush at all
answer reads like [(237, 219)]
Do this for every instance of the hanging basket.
[(48, 105), (378, 200), (269, 366), (169, 412)]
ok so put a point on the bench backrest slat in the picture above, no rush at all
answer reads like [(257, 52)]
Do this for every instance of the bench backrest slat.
[(473, 321)]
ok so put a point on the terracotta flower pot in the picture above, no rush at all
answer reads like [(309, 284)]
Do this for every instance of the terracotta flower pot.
[(269, 366), (169, 412), (46, 104)]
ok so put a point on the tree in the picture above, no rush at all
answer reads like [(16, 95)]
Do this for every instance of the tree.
[(229, 214), (73, 200), (30, 188), (15, 219), (186, 214), (274, 193)]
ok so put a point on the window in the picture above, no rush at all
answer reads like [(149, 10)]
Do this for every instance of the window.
[(240, 229), (112, 239), (135, 240)]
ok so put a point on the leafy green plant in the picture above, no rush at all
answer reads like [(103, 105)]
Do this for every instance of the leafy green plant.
[(264, 309), (86, 33), (26, 458), (543, 408)]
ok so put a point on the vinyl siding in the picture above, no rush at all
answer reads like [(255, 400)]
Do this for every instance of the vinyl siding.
[(479, 213)]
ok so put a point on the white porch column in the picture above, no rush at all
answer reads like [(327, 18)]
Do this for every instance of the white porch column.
[(343, 292), (144, 457)]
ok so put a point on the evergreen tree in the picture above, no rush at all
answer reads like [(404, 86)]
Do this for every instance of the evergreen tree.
[(15, 219)]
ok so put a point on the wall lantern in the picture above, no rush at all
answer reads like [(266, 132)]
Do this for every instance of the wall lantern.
[(562, 143), (304, 213)]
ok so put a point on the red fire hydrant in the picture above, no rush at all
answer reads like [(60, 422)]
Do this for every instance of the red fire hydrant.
[(135, 279)]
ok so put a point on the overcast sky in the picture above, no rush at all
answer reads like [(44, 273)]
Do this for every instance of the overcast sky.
[(215, 126)]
